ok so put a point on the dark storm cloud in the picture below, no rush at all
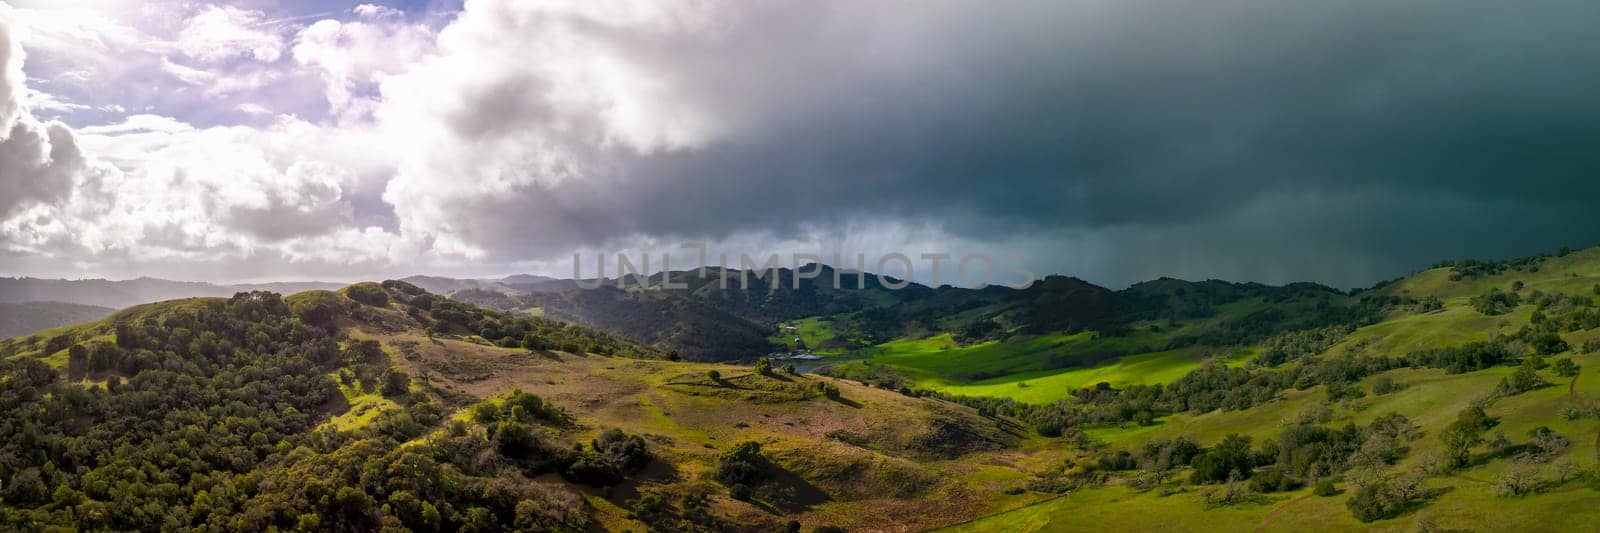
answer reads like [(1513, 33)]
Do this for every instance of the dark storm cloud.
[(1366, 137)]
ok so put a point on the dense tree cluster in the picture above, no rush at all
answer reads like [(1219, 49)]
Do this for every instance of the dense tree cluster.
[(742, 467), (1293, 345), (1495, 302), (1304, 453), (1466, 269), (208, 413)]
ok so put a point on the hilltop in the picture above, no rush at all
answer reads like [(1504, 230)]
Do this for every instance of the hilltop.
[(385, 405)]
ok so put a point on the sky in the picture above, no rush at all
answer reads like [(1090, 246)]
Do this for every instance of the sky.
[(1117, 141)]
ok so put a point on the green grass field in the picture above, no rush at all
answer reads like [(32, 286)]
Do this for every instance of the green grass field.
[(814, 331), (1431, 398), (363, 407), (1046, 386)]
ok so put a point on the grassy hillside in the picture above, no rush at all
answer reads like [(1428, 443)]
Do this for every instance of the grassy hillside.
[(1536, 464), (385, 406), (1426, 403)]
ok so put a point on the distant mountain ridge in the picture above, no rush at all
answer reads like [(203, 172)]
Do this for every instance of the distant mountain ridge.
[(125, 293), (27, 317)]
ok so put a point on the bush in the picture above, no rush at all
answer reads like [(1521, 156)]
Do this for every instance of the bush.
[(626, 451), (1268, 481), (594, 471), (714, 375), (368, 293), (1383, 499), (1519, 481), (763, 367), (1550, 344), (1523, 380), (1564, 367), (396, 383), (1231, 457), (403, 287), (1385, 385), (1325, 489), (1495, 302), (318, 308), (534, 343), (740, 491), (742, 464)]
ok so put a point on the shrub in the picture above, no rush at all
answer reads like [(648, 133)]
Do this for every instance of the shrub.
[(1564, 367), (1339, 391), (1385, 385), (368, 293), (1324, 489), (403, 287), (1523, 380), (485, 413), (396, 383), (318, 308), (742, 464), (763, 367), (1268, 481), (594, 471), (534, 343), (1545, 445), (626, 451), (1519, 481), (714, 375), (1550, 344), (1231, 456), (1495, 302), (740, 491), (1383, 499)]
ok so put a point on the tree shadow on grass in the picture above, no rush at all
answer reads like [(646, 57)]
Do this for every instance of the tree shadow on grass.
[(847, 402), (787, 493), (657, 472)]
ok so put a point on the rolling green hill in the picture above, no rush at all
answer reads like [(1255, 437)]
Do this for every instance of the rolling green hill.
[(1534, 467), (381, 406), (1454, 399)]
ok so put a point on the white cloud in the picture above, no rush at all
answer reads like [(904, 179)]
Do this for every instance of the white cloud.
[(372, 11), (153, 189), (218, 33), (352, 55), (253, 108), (565, 91), (11, 77)]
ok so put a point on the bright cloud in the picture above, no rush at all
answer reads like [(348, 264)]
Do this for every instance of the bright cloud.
[(218, 33)]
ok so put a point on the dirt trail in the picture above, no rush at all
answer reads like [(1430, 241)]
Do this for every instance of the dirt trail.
[(1267, 521)]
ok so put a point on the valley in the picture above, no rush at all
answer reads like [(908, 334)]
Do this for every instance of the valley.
[(1171, 405)]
